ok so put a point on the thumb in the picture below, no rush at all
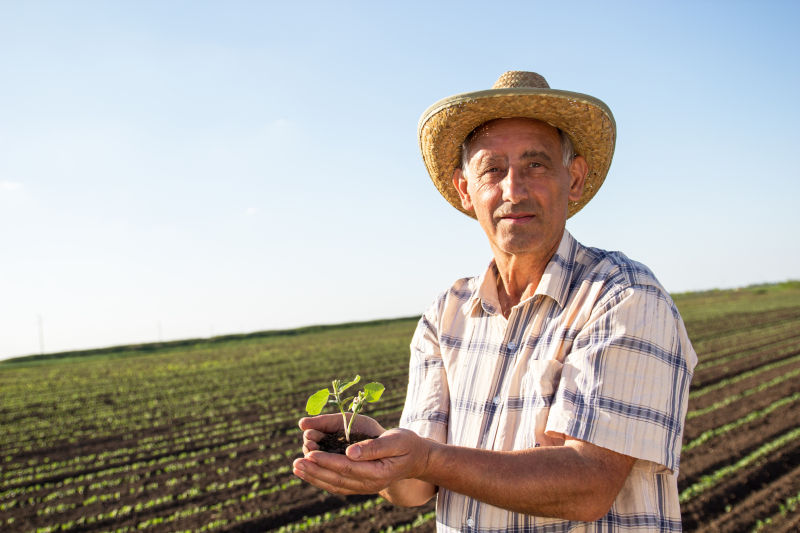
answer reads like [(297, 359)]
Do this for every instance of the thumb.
[(366, 450), (360, 451), (390, 444)]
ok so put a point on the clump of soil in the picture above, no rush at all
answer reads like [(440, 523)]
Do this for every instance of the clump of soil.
[(336, 442)]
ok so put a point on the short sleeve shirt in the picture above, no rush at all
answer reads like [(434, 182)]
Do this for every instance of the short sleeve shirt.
[(599, 353)]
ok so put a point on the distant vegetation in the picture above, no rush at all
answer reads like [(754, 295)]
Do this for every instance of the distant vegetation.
[(150, 347)]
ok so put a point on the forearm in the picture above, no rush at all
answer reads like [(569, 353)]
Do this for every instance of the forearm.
[(576, 481), (572, 482)]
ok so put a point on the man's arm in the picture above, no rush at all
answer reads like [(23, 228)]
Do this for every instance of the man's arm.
[(577, 481)]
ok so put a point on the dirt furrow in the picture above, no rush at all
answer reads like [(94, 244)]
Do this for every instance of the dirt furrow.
[(732, 446), (730, 345), (714, 374), (733, 411), (734, 489), (758, 505), (738, 387), (789, 523)]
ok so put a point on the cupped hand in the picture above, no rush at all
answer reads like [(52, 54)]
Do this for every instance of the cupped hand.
[(369, 466), (315, 427)]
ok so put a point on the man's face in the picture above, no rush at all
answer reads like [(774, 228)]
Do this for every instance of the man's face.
[(518, 187)]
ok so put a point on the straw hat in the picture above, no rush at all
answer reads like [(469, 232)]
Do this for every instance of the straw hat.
[(588, 122)]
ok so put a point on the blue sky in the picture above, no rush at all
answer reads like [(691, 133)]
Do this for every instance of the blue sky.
[(186, 169)]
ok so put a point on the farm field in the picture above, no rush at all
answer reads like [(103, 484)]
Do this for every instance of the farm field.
[(200, 435)]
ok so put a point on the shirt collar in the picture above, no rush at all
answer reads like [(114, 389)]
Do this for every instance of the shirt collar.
[(486, 293), (554, 282)]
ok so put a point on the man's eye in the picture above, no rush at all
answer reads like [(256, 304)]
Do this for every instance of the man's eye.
[(534, 164)]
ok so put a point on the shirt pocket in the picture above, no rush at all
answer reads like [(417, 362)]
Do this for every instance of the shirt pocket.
[(537, 391)]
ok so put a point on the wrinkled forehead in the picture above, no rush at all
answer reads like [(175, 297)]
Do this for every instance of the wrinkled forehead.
[(489, 131)]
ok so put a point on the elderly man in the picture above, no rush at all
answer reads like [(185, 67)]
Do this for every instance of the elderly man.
[(548, 394)]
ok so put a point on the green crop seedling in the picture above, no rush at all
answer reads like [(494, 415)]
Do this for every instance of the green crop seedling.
[(372, 393)]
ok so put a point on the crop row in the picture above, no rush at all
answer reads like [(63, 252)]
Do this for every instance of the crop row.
[(354, 510), (789, 505), (743, 376), (720, 346), (166, 444), (173, 462), (182, 445), (707, 334), (750, 417), (138, 483), (130, 510), (724, 402), (49, 435), (159, 452), (708, 481), (161, 521), (90, 421), (309, 522), (783, 335), (201, 438)]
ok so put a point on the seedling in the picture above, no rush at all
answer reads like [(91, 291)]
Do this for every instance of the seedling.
[(372, 393)]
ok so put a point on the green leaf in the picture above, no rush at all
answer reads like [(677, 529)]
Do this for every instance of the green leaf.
[(348, 385), (373, 391), (316, 402)]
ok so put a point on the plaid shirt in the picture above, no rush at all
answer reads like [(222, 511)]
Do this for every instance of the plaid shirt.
[(598, 353)]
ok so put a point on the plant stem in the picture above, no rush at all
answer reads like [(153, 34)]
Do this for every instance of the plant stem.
[(340, 404), (346, 425), (349, 426)]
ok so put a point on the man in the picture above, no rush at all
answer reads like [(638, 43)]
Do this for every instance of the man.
[(548, 394)]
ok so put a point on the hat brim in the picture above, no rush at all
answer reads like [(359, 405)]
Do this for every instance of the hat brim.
[(587, 120)]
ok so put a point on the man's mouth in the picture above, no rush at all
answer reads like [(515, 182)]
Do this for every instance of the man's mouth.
[(518, 218)]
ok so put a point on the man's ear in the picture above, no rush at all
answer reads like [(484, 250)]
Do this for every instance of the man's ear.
[(578, 169), (460, 183)]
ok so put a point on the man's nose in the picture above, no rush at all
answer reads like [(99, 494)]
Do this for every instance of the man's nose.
[(514, 186)]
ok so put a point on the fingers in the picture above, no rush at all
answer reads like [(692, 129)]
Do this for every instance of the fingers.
[(367, 425), (311, 438), (324, 423), (316, 427), (332, 423), (402, 453), (338, 475)]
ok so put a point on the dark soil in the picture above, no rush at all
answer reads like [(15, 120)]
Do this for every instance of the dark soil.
[(193, 484), (731, 495), (739, 500), (336, 442), (759, 503)]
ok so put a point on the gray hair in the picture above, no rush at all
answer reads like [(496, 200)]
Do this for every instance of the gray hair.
[(567, 148)]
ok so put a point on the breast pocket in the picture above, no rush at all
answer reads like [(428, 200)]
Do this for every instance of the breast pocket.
[(537, 391)]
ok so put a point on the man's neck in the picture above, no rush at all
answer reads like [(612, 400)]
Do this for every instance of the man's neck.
[(519, 276)]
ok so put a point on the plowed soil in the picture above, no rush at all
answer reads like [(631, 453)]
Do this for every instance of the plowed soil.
[(229, 481)]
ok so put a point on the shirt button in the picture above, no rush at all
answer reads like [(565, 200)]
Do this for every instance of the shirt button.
[(470, 522), (496, 400), (512, 346)]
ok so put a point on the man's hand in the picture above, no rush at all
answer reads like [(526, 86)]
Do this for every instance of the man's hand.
[(576, 481), (370, 466), (314, 428)]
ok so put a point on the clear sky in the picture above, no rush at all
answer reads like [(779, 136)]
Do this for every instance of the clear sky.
[(186, 169)]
